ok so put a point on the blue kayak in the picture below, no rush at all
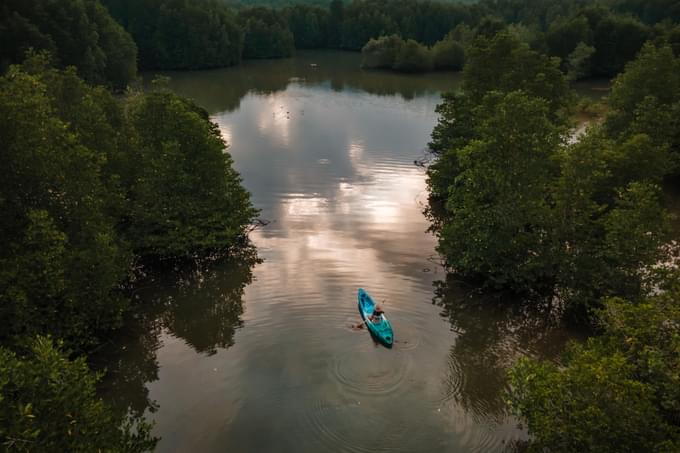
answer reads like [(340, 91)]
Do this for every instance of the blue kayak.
[(381, 328)]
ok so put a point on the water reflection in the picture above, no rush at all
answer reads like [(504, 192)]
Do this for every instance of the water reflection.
[(222, 90), (202, 305), (206, 310), (268, 361), (493, 331)]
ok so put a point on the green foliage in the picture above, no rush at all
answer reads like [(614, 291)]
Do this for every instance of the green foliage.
[(76, 32), (309, 25), (564, 36), (89, 177), (651, 11), (644, 93), (595, 404), (186, 200), (120, 51), (61, 258), (360, 26), (448, 54), (462, 33), (266, 34), (609, 218), (454, 130), (381, 53), (531, 13), (672, 36), (93, 179), (618, 392), (489, 26), (506, 64), (49, 403), (412, 57), (188, 34), (579, 62), (423, 21), (523, 214), (529, 35), (527, 212), (180, 34), (616, 40), (502, 63), (336, 10), (455, 125), (499, 221), (392, 52)]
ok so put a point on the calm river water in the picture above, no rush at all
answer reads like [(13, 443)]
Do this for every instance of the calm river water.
[(263, 358)]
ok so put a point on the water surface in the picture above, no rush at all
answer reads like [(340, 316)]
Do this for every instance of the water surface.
[(264, 358)]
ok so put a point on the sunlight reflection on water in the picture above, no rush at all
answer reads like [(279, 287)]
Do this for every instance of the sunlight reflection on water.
[(265, 359)]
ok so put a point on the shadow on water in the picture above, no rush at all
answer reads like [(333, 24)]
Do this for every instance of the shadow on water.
[(200, 304), (493, 331)]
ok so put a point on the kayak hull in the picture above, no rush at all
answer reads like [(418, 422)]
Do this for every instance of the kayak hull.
[(381, 330)]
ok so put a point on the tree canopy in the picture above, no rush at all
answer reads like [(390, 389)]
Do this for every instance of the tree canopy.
[(49, 403), (528, 212), (93, 182), (645, 99), (392, 52), (62, 259), (616, 393), (76, 32), (590, 39), (266, 34), (180, 34), (94, 186)]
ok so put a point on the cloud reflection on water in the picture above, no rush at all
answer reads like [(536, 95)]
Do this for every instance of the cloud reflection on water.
[(328, 157)]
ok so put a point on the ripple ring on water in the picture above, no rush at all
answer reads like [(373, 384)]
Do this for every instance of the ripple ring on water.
[(365, 375)]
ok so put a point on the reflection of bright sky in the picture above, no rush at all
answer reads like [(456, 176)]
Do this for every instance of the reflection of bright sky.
[(343, 199), (356, 151), (335, 230), (304, 206), (274, 120), (225, 129), (333, 172)]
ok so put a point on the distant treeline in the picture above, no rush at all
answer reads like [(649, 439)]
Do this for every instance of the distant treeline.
[(77, 33), (590, 38)]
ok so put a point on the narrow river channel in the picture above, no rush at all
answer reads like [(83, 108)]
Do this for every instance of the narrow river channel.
[(264, 358)]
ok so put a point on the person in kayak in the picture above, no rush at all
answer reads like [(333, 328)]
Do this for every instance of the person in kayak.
[(377, 314), (375, 317)]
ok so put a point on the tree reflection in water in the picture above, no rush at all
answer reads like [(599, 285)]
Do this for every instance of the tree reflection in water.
[(340, 71), (493, 330), (202, 304)]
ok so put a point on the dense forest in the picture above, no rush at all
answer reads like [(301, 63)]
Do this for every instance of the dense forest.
[(591, 39), (98, 187), (103, 180), (580, 225)]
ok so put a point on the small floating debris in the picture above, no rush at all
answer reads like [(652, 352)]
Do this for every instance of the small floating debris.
[(313, 65)]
